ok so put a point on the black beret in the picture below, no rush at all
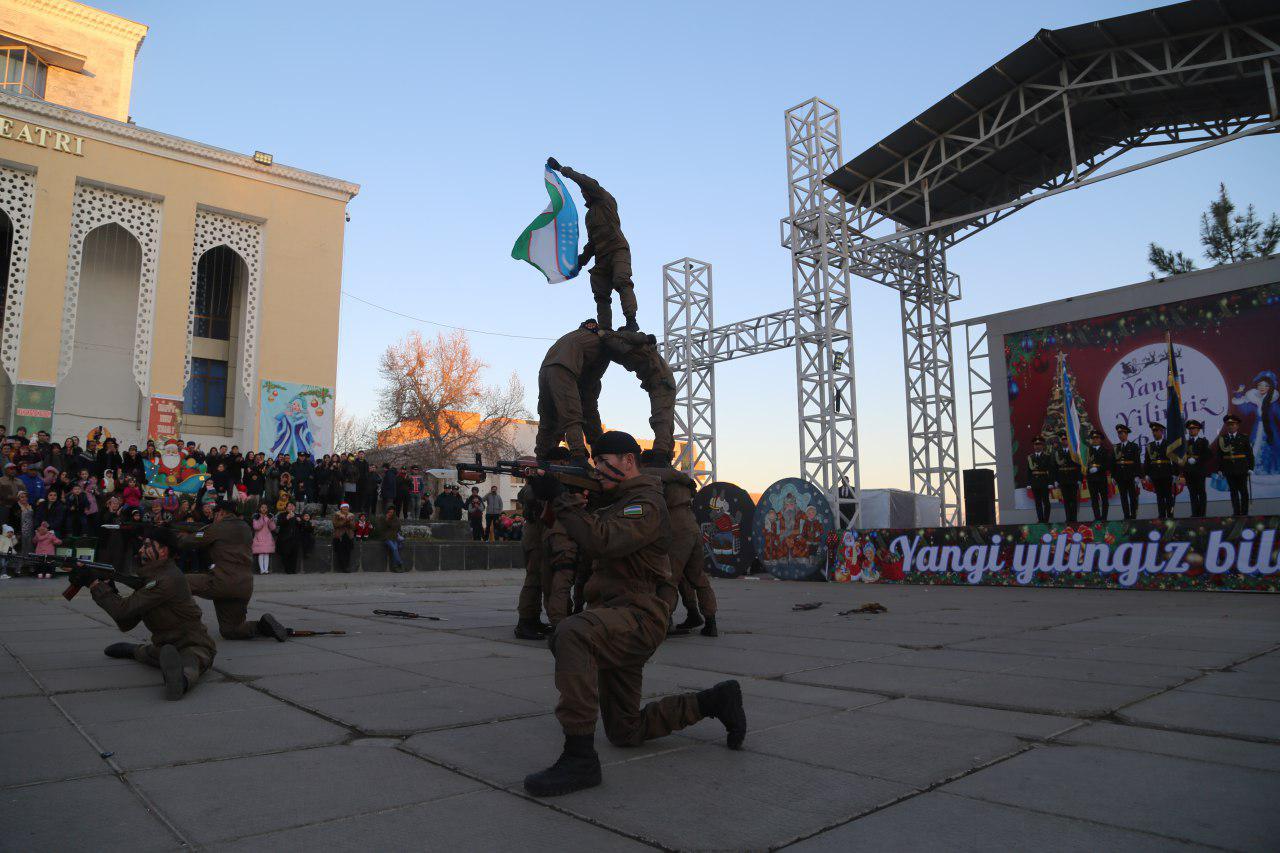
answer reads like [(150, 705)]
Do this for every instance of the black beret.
[(615, 442)]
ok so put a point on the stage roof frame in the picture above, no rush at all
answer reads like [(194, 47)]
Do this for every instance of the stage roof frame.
[(1048, 116)]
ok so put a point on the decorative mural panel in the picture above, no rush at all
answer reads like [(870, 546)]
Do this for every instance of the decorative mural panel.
[(294, 418), (245, 239), (17, 200), (94, 207)]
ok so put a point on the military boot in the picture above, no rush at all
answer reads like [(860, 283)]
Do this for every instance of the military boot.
[(632, 325), (577, 767), (120, 650), (269, 626), (529, 629), (674, 630), (724, 702), (709, 629), (693, 620), (175, 682)]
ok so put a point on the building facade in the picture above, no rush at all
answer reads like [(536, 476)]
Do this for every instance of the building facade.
[(152, 285)]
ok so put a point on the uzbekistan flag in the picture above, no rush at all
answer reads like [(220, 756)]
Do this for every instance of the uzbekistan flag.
[(550, 242), (1071, 416), (1174, 426)]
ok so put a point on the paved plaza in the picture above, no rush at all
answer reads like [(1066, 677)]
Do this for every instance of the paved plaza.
[(963, 718)]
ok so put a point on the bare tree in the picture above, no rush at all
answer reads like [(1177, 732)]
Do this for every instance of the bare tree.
[(433, 390), (351, 433)]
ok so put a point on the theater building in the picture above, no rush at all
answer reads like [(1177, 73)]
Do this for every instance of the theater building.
[(151, 284)]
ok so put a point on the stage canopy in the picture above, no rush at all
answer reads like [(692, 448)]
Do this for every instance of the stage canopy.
[(1184, 72)]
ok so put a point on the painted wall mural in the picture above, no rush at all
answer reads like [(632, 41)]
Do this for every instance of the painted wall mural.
[(295, 419)]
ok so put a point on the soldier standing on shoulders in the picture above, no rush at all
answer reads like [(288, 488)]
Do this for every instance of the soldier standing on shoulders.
[(1069, 476), (229, 581), (1127, 468), (1100, 464), (1042, 473), (1194, 468), (1159, 470), (605, 243), (180, 646), (1235, 461), (601, 652)]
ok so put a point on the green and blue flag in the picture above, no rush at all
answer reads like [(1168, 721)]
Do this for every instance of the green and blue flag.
[(550, 243)]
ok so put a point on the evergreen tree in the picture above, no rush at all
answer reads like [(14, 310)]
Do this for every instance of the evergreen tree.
[(1055, 414), (1227, 238)]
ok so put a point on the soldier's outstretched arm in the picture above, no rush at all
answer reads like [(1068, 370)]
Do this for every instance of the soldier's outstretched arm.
[(128, 612), (586, 183), (629, 527)]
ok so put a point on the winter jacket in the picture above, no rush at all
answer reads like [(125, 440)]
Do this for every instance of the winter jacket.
[(263, 540), (46, 541)]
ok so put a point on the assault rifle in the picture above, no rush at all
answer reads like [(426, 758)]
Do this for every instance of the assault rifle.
[(78, 573), (572, 477)]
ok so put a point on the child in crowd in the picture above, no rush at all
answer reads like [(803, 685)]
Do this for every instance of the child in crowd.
[(363, 527), (47, 542), (8, 545), (264, 540), (132, 494), (26, 523)]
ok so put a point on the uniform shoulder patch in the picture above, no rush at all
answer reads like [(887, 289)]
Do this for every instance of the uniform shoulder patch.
[(633, 511), (150, 585)]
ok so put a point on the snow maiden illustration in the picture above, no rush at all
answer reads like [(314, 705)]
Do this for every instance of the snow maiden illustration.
[(1262, 403)]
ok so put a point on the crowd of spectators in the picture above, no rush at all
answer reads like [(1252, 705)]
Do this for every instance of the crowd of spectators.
[(53, 494)]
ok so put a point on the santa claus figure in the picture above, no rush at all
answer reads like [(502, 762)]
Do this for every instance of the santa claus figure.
[(174, 470)]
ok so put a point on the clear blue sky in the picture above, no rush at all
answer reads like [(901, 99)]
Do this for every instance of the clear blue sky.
[(444, 114)]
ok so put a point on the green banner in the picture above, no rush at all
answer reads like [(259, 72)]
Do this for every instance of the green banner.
[(32, 408)]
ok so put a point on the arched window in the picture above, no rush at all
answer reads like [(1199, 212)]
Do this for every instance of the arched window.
[(22, 72), (215, 283)]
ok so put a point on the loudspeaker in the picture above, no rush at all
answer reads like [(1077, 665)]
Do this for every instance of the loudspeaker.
[(979, 496)]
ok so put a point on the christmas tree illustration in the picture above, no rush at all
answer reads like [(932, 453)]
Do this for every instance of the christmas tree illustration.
[(1055, 415)]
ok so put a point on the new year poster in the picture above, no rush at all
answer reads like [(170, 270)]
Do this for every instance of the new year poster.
[(1227, 353), (295, 419)]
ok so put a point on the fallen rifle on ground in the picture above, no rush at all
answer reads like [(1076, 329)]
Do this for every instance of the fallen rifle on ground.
[(301, 632), (405, 614), (869, 607), (572, 477), (76, 572), (808, 605)]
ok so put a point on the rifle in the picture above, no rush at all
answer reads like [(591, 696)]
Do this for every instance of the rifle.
[(571, 476), (79, 573)]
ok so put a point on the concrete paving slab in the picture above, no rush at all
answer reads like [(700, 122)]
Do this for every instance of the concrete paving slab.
[(956, 659), (482, 670), (302, 687), (727, 800), (1038, 695), (1205, 803), (45, 755), (28, 713), (943, 822), (100, 813), (180, 740), (758, 663), (880, 677), (148, 703), (1268, 664), (1039, 726), (1246, 685), (504, 753), (1024, 645), (426, 650), (281, 661), (420, 710), (912, 752), (121, 674), (1219, 750), (454, 823), (1106, 672), (763, 714), (1206, 713), (263, 793), (17, 684)]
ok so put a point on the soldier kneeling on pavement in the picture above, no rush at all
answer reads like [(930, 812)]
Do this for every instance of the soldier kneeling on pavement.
[(180, 646), (601, 652)]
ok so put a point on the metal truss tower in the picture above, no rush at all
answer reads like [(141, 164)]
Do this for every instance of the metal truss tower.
[(686, 306), (819, 325), (823, 321)]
